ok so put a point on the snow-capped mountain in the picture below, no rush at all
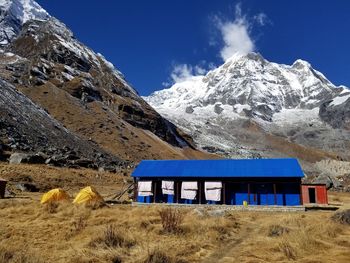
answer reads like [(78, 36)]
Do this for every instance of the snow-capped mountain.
[(41, 59), (14, 14), (234, 107), (247, 85)]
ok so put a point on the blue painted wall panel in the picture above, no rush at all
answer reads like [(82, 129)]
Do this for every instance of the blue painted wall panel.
[(292, 194), (240, 197), (252, 200), (263, 199), (270, 199), (144, 199), (279, 198), (170, 199), (292, 199), (231, 198)]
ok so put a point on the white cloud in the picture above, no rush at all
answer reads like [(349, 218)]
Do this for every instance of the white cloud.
[(199, 70), (261, 19), (236, 37), (183, 72), (236, 34)]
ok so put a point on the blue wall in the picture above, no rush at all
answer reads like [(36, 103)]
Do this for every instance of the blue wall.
[(260, 193)]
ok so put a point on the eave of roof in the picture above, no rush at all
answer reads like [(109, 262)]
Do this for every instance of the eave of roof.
[(220, 168)]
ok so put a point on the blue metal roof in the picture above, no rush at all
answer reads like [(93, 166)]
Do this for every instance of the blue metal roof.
[(219, 168)]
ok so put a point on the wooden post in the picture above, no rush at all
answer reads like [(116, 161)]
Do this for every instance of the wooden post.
[(274, 192), (154, 191), (301, 193), (177, 192), (223, 193), (135, 190), (248, 193), (199, 192)]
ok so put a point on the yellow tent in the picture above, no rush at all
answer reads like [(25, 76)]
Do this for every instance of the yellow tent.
[(54, 195), (88, 195)]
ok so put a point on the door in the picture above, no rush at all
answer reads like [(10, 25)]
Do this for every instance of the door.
[(312, 195)]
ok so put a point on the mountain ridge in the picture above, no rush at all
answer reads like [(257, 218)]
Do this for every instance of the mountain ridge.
[(80, 89), (252, 108), (248, 81)]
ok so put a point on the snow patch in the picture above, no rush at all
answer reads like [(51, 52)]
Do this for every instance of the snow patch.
[(339, 100)]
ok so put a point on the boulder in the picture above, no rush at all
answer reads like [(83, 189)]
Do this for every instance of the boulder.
[(200, 212), (17, 158), (324, 179), (217, 213), (84, 163), (218, 109), (329, 181), (57, 160), (108, 168), (27, 187), (37, 159), (189, 109), (342, 217)]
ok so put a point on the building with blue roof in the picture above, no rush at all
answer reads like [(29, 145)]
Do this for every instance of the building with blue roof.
[(228, 181)]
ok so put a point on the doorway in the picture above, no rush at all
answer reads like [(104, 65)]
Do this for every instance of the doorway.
[(312, 195)]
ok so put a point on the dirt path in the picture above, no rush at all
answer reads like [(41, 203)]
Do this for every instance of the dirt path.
[(230, 249)]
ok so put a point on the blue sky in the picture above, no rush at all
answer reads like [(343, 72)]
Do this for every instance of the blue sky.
[(156, 42)]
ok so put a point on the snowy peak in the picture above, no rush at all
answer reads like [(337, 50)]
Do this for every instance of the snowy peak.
[(249, 82), (26, 18), (299, 64), (15, 13), (252, 108), (23, 10)]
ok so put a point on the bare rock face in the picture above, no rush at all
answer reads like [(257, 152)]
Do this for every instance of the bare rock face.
[(337, 111), (26, 127)]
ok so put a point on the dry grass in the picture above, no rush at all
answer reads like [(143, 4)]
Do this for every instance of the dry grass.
[(342, 217), (277, 230), (113, 237), (51, 207), (17, 256), (123, 233), (171, 219), (47, 178), (158, 256)]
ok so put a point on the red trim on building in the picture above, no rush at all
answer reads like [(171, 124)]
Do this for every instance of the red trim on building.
[(314, 194)]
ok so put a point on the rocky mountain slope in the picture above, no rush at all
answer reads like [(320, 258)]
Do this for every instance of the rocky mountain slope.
[(77, 88), (26, 126), (250, 107)]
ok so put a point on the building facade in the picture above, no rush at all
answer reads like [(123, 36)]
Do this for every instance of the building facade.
[(229, 181)]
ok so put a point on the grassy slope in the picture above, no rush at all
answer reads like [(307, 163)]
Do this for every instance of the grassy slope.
[(31, 233), (68, 235), (97, 123)]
